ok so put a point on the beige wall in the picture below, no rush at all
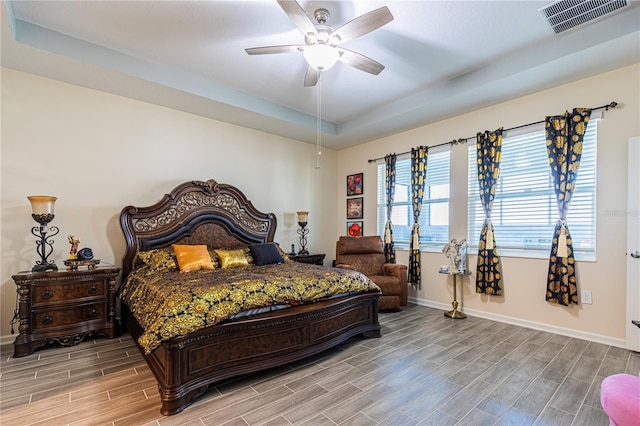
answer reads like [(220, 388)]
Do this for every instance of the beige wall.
[(98, 153), (525, 279)]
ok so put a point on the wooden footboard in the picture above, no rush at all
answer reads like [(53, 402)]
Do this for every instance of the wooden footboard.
[(186, 366)]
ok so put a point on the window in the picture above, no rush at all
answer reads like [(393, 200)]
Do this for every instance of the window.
[(524, 209), (434, 216)]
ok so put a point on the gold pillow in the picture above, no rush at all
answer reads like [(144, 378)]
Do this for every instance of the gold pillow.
[(283, 254), (157, 259), (232, 258), (214, 259), (192, 258)]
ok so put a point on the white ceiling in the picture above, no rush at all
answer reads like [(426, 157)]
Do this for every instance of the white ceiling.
[(442, 58)]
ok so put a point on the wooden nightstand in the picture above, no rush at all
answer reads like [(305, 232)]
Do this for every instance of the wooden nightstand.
[(65, 307), (314, 259)]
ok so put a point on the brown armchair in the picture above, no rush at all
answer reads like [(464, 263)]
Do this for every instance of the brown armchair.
[(366, 255)]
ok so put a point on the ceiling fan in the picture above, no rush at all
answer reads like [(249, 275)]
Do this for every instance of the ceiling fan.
[(322, 48)]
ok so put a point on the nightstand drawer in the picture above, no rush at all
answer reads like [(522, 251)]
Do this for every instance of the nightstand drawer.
[(57, 292), (65, 307), (60, 317)]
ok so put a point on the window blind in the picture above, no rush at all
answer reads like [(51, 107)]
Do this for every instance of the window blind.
[(434, 216), (524, 209)]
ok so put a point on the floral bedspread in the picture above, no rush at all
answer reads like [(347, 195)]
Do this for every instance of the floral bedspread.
[(167, 303)]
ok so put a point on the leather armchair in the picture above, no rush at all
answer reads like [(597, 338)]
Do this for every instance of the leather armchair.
[(366, 255)]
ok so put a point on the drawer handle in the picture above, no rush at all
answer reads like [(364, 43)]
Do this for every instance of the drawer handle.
[(47, 320), (94, 313), (47, 294), (93, 290)]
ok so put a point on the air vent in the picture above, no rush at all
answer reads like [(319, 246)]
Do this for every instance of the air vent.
[(563, 15)]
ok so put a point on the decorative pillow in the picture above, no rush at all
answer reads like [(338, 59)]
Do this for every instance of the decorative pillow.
[(192, 258), (214, 259), (265, 254), (157, 259), (247, 255), (282, 253), (232, 258)]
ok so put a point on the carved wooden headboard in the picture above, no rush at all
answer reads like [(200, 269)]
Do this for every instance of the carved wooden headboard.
[(195, 212)]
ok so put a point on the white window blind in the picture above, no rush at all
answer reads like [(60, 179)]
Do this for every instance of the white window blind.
[(434, 216), (524, 209)]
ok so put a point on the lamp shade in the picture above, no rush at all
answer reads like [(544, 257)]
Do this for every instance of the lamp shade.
[(321, 56), (42, 204), (302, 217)]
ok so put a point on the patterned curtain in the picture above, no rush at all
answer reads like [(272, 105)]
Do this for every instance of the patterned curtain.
[(390, 186), (564, 134), (489, 270), (418, 179)]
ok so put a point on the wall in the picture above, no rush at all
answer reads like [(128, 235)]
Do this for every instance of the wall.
[(99, 152), (525, 279)]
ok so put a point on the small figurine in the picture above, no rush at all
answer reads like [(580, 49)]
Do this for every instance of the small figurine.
[(457, 254), (74, 241)]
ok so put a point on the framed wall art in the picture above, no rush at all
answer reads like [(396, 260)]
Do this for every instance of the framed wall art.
[(354, 229), (355, 184), (354, 208)]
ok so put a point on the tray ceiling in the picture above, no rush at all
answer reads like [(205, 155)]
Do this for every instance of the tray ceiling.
[(442, 58)]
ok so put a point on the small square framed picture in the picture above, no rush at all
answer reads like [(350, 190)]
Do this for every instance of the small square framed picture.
[(354, 229), (355, 184), (354, 208)]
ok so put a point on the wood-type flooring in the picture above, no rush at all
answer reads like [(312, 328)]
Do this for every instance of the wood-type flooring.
[(426, 369)]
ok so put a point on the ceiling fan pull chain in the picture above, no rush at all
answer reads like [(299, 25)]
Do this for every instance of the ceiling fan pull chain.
[(319, 122)]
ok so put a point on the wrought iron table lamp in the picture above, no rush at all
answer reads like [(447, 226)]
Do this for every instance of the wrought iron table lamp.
[(42, 212), (303, 231)]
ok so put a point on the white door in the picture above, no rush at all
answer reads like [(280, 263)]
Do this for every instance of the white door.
[(633, 246)]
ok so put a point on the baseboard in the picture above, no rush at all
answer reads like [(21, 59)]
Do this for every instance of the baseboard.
[(597, 338), (7, 340)]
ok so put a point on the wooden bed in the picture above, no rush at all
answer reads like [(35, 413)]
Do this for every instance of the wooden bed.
[(220, 216)]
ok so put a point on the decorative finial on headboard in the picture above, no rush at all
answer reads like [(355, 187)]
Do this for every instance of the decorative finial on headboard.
[(208, 186)]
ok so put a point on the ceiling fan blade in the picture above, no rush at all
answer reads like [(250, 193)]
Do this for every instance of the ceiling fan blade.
[(364, 24), (311, 77), (360, 61), (298, 16), (268, 50)]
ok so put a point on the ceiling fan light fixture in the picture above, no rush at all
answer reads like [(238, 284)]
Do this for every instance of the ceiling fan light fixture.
[(321, 56), (321, 42)]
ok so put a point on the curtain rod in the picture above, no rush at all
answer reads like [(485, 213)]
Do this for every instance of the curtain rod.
[(463, 140)]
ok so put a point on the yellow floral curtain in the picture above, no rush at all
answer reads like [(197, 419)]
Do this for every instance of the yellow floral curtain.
[(565, 135), (489, 270), (419, 157), (390, 188)]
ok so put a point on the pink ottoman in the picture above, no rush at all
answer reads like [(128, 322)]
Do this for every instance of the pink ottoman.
[(620, 399)]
